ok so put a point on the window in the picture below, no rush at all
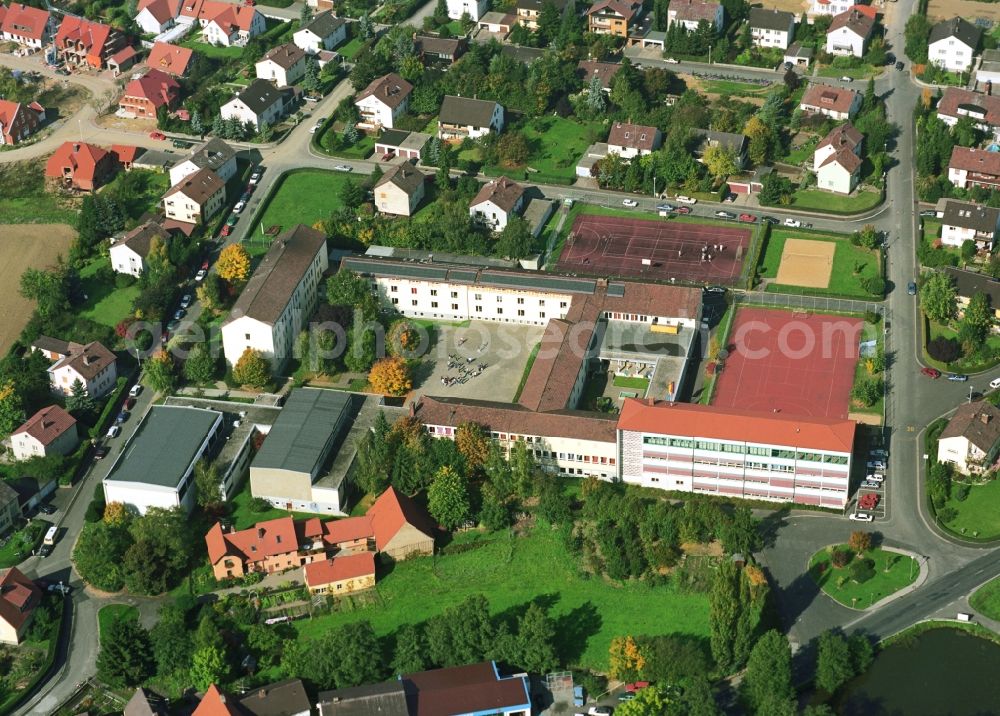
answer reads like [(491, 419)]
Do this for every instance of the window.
[(434, 292), (520, 301), (454, 306), (454, 294), (413, 302), (434, 304), (395, 301), (541, 314), (247, 336), (393, 289), (499, 311), (478, 296), (520, 311), (479, 309), (562, 304), (499, 299), (413, 290)]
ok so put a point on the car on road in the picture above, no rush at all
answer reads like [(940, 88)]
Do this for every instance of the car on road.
[(683, 209), (672, 61), (748, 218), (861, 517), (995, 383), (257, 173), (900, 65), (114, 431), (200, 276), (714, 289), (666, 207), (239, 206), (121, 417), (179, 314), (157, 135), (686, 199), (911, 288), (316, 127), (630, 203), (770, 220), (958, 377), (343, 168), (46, 549), (928, 212), (794, 223), (931, 372), (185, 300), (100, 452), (135, 390), (46, 509), (129, 403), (725, 214), (226, 231), (845, 78)]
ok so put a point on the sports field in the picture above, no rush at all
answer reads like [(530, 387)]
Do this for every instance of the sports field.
[(788, 362), (806, 263), (617, 246)]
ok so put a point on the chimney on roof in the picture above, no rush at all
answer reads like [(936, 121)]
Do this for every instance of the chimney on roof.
[(76, 147), (260, 533), (984, 418), (262, 694)]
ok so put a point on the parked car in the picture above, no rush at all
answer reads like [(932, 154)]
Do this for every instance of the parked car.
[(748, 218), (787, 66), (627, 696), (636, 686), (129, 403), (100, 452), (316, 127), (911, 288), (200, 276), (890, 59), (878, 452), (179, 314), (770, 220), (257, 173), (181, 144), (870, 485), (683, 209), (672, 61), (62, 71), (725, 214), (845, 78), (239, 206), (900, 65), (46, 509), (114, 431), (226, 231), (157, 135), (135, 390), (715, 289), (666, 207), (928, 212), (246, 195), (185, 300), (600, 711), (876, 465), (121, 417), (869, 501), (630, 203), (794, 223), (46, 549), (686, 199), (931, 372), (875, 477), (861, 517), (958, 377), (995, 383), (343, 168)]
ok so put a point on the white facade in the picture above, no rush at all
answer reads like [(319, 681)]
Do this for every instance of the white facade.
[(11, 35), (222, 33), (150, 24), (283, 77), (958, 235), (834, 176), (951, 53), (772, 37), (141, 496), (180, 172), (692, 24), (492, 215), (449, 131), (62, 376), (311, 43), (25, 446), (125, 260), (844, 41), (959, 452), (235, 109), (376, 113), (475, 9), (829, 7), (180, 207)]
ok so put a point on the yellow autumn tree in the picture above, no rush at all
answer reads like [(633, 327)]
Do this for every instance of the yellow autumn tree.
[(115, 513), (390, 376), (233, 265), (626, 662)]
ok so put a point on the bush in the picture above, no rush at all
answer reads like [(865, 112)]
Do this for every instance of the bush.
[(960, 492), (259, 505), (947, 514), (107, 414), (95, 510), (840, 558), (944, 349), (872, 317), (862, 570), (124, 280)]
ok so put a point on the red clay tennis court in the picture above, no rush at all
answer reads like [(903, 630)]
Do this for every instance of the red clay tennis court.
[(793, 363), (616, 246)]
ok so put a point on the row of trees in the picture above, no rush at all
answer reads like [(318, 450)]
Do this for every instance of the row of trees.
[(939, 302)]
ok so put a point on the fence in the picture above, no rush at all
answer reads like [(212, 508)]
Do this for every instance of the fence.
[(818, 304)]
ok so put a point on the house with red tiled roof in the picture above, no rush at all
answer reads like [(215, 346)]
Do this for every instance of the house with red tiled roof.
[(833, 102), (970, 167), (234, 26), (284, 698), (50, 431), (92, 365), (82, 42), (18, 598), (155, 16), (631, 140), (80, 165), (613, 17), (982, 109), (126, 154), (143, 97), (401, 527), (28, 26), (837, 159), (19, 121), (342, 574), (172, 59), (271, 546), (691, 12), (850, 32), (497, 201), (123, 60)]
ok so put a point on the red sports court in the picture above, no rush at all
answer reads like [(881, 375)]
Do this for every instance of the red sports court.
[(665, 249), (790, 362)]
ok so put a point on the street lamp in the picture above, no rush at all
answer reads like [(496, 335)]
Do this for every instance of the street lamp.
[(709, 54)]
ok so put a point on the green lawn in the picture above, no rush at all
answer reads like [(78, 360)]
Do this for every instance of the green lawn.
[(729, 87), (816, 200), (588, 612), (802, 154), (211, 50), (25, 200), (986, 599), (556, 145), (893, 571), (870, 331), (105, 304), (301, 197), (978, 516), (21, 542), (850, 264), (243, 517), (857, 73), (112, 613), (331, 143), (621, 381), (963, 365), (351, 48), (151, 185)]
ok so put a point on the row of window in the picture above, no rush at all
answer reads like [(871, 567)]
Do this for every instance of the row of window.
[(740, 448)]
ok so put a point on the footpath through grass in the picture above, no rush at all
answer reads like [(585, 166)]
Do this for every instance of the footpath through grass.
[(514, 571), (893, 571), (986, 599), (851, 265)]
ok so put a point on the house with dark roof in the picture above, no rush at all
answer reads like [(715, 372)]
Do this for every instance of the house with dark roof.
[(633, 140), (730, 141), (19, 121), (259, 102), (963, 221), (691, 12), (81, 166), (28, 26), (850, 32), (283, 65), (968, 284), (771, 27), (19, 597), (603, 72), (970, 442), (952, 44), (439, 51), (983, 109), (400, 190), (387, 698), (50, 431), (830, 101), (323, 32), (10, 507), (92, 365), (613, 17), (196, 198), (143, 97), (970, 167), (214, 154), (497, 201), (82, 42), (462, 117), (145, 702), (399, 143), (279, 297), (837, 159), (172, 59), (383, 101)]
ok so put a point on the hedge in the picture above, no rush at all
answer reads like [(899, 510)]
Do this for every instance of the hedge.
[(107, 415)]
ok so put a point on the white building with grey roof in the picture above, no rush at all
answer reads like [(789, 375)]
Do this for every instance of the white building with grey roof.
[(259, 102), (214, 154), (953, 43), (324, 32)]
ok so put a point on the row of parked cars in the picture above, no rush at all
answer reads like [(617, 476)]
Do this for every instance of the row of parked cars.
[(874, 483)]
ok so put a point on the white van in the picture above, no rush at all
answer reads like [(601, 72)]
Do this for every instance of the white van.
[(50, 536), (963, 617), (995, 383)]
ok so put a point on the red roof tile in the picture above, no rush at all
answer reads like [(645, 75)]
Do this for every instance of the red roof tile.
[(635, 136), (156, 87), (47, 424), (975, 160), (834, 99), (217, 703), (265, 539), (92, 35), (391, 512), (18, 597), (25, 21), (82, 157), (170, 58), (348, 566), (348, 530)]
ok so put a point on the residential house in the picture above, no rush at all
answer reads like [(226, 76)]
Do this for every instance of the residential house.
[(970, 167), (970, 441), (968, 284), (92, 365), (283, 65), (633, 140), (401, 527), (383, 101), (28, 26), (439, 51), (10, 507), (604, 72), (235, 26), (52, 348), (396, 142), (953, 43), (475, 9), (497, 201), (19, 121), (80, 165), (214, 154), (832, 102), (613, 17), (498, 24), (172, 59), (528, 11), (156, 466), (771, 28), (690, 12), (156, 16), (19, 597), (122, 60), (400, 190), (82, 42), (738, 144), (144, 97), (196, 198), (258, 103), (145, 702), (837, 159), (270, 546), (462, 117), (799, 55), (285, 698), (850, 32), (324, 32), (983, 109), (343, 574), (963, 221), (50, 431), (128, 254), (828, 7), (279, 297)]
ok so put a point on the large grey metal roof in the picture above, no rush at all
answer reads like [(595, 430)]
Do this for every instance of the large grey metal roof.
[(299, 437), (164, 445)]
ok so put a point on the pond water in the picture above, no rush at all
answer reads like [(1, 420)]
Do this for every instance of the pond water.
[(943, 672)]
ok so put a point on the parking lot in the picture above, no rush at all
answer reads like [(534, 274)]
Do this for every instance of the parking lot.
[(875, 459), (481, 360)]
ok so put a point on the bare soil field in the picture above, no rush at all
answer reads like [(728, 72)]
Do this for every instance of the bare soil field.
[(25, 246), (794, 6), (971, 10)]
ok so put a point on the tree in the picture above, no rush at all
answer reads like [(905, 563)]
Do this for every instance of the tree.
[(116, 514), (535, 643), (625, 660), (409, 656), (171, 640), (252, 369), (868, 237), (768, 678), (209, 293), (862, 570), (943, 349), (233, 265), (937, 297), (48, 289), (159, 372), (473, 442), (11, 409), (597, 101), (833, 661), (761, 138), (126, 656), (554, 505), (868, 390), (918, 29), (515, 240), (365, 27), (391, 376), (775, 189), (720, 161), (208, 666), (206, 483), (78, 401), (97, 555), (650, 701), (739, 534), (522, 468), (448, 498), (199, 367), (403, 339), (512, 149), (860, 541), (311, 81), (977, 323), (305, 15)]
